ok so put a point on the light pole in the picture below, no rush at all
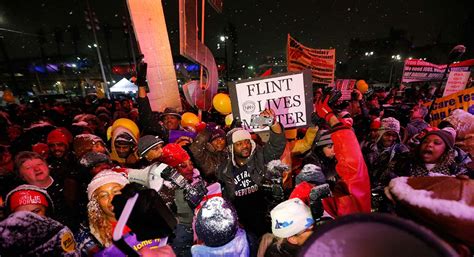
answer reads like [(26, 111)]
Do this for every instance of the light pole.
[(395, 58), (223, 39)]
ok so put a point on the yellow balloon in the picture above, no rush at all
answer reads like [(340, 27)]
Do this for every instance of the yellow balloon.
[(221, 103), (229, 119), (189, 119), (362, 86)]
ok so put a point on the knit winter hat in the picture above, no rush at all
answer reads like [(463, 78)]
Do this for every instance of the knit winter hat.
[(444, 135), (26, 233), (290, 218), (216, 222), (216, 133), (237, 135), (28, 194), (173, 155), (125, 138), (91, 159), (375, 124), (105, 177), (311, 173), (324, 139), (57, 136), (147, 142), (83, 143), (389, 124)]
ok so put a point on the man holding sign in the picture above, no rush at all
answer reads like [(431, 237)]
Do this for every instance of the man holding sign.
[(245, 169)]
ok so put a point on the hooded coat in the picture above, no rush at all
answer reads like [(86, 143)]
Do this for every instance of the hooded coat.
[(128, 127)]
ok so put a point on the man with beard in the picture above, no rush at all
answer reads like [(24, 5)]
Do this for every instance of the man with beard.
[(242, 174), (60, 158)]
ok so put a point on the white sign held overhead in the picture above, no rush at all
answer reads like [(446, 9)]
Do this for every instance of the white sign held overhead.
[(457, 81), (290, 95)]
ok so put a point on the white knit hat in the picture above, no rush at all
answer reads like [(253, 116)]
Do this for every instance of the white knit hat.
[(105, 177), (240, 135), (389, 124), (290, 218)]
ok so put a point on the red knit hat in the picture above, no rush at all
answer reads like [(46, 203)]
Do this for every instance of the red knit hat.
[(375, 124), (27, 194), (57, 136), (174, 154)]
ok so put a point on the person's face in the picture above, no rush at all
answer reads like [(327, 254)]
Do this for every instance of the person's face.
[(243, 149), (328, 151), (154, 153), (100, 167), (35, 208), (432, 148), (186, 169), (34, 172), (104, 196), (170, 122), (218, 144), (58, 150), (126, 106), (389, 138), (300, 238), (123, 150)]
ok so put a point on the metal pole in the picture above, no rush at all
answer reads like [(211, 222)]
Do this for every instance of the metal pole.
[(106, 88), (390, 79)]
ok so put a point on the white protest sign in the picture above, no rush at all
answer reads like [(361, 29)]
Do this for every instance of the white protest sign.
[(457, 81), (290, 95)]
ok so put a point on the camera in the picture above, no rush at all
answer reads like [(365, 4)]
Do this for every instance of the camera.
[(260, 121), (192, 193)]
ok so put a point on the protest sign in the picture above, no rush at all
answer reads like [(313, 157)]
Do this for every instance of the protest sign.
[(290, 95), (416, 70), (444, 106), (346, 86), (321, 62), (457, 81)]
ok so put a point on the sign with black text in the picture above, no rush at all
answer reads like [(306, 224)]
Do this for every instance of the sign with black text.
[(290, 95)]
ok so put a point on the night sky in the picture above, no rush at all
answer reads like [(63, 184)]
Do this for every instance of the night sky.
[(261, 25)]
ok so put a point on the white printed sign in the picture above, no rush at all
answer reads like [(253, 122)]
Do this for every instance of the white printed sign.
[(457, 81), (290, 95)]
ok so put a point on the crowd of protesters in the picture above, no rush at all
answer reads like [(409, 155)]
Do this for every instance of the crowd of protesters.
[(69, 170)]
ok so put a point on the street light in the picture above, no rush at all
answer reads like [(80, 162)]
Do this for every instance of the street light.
[(223, 39), (395, 58)]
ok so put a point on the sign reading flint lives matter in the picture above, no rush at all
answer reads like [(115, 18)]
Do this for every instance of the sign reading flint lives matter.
[(290, 95)]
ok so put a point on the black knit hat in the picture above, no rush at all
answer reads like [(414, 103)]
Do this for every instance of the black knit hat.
[(26, 233), (216, 222), (147, 142), (444, 135), (91, 159)]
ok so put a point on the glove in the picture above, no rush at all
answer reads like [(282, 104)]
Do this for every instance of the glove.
[(141, 74), (323, 110), (315, 197)]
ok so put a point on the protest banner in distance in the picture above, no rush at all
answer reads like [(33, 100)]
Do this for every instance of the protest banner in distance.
[(416, 70), (345, 86), (290, 95), (321, 62), (457, 81), (445, 105)]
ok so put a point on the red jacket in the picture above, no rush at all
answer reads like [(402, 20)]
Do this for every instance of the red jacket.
[(352, 195)]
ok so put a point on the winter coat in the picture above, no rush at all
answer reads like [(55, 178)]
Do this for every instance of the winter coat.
[(149, 121), (412, 166), (256, 164), (380, 159), (352, 193), (133, 157), (205, 157), (238, 247)]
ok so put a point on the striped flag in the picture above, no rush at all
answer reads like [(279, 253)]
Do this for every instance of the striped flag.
[(321, 62)]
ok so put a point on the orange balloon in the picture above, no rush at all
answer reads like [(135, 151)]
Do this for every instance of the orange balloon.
[(8, 96), (221, 103), (189, 119), (362, 86)]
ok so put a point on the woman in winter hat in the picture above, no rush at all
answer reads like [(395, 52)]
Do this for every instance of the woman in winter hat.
[(433, 157), (100, 192), (29, 198), (217, 227), (463, 123), (322, 155)]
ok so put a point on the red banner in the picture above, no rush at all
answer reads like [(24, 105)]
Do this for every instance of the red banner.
[(321, 62)]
